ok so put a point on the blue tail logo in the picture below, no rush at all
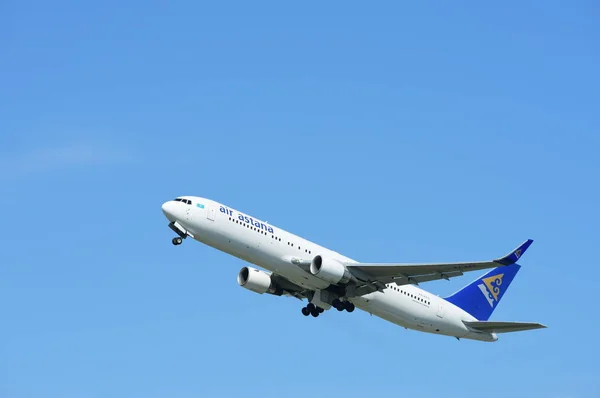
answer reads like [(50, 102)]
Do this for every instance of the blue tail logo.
[(518, 253), (491, 288)]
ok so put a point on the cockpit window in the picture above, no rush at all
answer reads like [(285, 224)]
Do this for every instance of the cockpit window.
[(186, 201)]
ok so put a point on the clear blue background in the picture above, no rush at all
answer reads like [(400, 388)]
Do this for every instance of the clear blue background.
[(389, 132)]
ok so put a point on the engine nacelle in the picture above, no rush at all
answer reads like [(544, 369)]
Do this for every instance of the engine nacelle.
[(329, 270), (258, 281)]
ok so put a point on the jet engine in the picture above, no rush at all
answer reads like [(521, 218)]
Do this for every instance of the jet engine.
[(258, 281), (330, 270)]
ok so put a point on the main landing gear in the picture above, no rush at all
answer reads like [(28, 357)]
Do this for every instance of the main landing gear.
[(342, 305), (339, 305), (312, 309), (177, 241)]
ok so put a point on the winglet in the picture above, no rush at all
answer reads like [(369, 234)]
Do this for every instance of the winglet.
[(514, 256)]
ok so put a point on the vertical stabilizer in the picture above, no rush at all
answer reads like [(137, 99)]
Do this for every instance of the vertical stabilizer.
[(481, 297)]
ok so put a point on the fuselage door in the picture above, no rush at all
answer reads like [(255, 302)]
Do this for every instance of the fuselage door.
[(440, 310), (210, 214)]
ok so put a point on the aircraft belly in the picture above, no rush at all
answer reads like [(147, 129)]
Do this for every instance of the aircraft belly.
[(393, 308)]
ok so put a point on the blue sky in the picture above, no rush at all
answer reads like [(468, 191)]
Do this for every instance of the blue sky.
[(388, 132)]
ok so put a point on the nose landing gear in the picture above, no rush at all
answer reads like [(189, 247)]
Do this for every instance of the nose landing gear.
[(180, 231)]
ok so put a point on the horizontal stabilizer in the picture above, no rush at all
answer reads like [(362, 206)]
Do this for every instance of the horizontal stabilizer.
[(503, 327)]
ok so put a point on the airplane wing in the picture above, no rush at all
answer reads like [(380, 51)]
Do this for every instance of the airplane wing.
[(503, 327), (374, 276), (289, 288)]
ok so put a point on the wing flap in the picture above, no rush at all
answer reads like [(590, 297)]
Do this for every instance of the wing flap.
[(503, 327)]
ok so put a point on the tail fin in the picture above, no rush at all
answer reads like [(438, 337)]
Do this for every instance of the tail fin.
[(481, 297)]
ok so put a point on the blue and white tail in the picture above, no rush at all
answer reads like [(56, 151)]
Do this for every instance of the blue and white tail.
[(481, 297)]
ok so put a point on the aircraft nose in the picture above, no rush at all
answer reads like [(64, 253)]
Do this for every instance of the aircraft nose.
[(168, 209)]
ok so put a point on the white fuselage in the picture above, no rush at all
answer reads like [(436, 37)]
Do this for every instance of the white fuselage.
[(273, 249)]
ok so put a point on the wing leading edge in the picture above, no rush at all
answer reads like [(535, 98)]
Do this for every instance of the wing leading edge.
[(377, 274)]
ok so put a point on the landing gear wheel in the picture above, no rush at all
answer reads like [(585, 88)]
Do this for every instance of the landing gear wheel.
[(349, 306), (177, 241), (311, 307), (305, 311), (337, 304), (315, 313)]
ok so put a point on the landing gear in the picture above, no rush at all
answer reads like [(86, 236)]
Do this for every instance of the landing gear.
[(342, 305), (312, 309), (178, 229), (339, 305)]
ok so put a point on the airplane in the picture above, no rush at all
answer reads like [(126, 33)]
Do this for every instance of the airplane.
[(295, 267)]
